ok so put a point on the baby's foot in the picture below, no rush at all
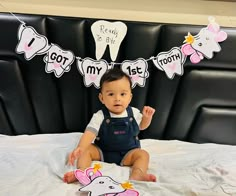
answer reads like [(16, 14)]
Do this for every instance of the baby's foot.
[(138, 174), (69, 177), (144, 177), (150, 178)]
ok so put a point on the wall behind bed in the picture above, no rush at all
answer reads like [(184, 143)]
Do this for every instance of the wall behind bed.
[(199, 106)]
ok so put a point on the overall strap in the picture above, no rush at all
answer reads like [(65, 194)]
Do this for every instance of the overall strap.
[(106, 112), (129, 111), (135, 125)]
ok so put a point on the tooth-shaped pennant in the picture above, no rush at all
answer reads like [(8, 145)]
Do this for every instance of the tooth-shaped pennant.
[(171, 62), (108, 33), (206, 43), (92, 70), (137, 70), (154, 60), (30, 42), (58, 60)]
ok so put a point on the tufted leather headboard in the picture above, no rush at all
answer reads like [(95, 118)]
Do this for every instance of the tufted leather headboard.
[(199, 106)]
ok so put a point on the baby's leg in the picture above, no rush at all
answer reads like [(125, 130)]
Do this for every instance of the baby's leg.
[(139, 160), (84, 161)]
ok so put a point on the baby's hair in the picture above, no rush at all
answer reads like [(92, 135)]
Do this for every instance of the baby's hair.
[(113, 75)]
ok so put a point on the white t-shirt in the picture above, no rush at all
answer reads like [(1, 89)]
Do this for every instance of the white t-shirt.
[(98, 117)]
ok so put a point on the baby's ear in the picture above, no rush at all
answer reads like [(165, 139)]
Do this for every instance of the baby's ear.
[(100, 97), (131, 96)]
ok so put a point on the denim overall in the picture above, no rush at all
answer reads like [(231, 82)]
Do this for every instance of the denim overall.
[(117, 136)]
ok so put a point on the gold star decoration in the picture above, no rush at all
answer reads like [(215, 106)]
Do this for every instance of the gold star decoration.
[(189, 39), (96, 167), (127, 185)]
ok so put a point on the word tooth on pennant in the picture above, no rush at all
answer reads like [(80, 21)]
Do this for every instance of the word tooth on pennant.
[(171, 62), (108, 33)]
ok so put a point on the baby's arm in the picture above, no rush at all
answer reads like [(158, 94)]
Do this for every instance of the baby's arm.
[(86, 139), (147, 117)]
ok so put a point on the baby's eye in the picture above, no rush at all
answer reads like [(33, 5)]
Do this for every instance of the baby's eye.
[(110, 94), (123, 94)]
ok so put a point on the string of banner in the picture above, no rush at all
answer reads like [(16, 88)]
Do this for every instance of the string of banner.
[(105, 33)]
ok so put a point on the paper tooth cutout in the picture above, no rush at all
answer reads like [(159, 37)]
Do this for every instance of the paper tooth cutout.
[(171, 62), (108, 34), (58, 60), (92, 70), (30, 42), (137, 70), (205, 43), (96, 184)]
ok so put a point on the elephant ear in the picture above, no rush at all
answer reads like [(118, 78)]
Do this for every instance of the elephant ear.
[(220, 35), (195, 58), (187, 49), (91, 173), (82, 177), (85, 177)]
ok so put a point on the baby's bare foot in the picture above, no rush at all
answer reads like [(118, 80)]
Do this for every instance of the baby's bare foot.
[(145, 177), (150, 178), (69, 177), (138, 174)]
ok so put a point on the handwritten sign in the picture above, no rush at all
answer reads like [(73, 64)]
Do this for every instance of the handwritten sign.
[(108, 33)]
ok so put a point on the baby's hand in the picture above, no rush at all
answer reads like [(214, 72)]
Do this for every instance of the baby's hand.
[(74, 155), (148, 111)]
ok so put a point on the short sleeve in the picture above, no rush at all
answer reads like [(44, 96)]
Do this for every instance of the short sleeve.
[(95, 122), (137, 115)]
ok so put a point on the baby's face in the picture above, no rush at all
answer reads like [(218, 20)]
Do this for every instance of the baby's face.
[(116, 95)]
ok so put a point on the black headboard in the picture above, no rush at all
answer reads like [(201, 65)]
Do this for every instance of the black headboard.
[(199, 106)]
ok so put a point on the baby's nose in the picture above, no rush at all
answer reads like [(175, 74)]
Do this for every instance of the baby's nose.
[(117, 98)]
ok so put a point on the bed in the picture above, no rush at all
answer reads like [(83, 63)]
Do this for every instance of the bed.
[(34, 165), (192, 137)]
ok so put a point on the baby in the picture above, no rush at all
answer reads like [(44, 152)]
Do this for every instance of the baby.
[(112, 133)]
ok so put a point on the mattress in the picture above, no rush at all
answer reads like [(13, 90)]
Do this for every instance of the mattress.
[(33, 165)]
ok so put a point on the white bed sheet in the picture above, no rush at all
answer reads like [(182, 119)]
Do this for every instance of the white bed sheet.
[(34, 165)]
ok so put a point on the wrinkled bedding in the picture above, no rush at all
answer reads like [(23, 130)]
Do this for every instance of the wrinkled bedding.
[(32, 165)]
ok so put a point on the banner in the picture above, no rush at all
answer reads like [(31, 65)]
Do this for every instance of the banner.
[(111, 34)]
